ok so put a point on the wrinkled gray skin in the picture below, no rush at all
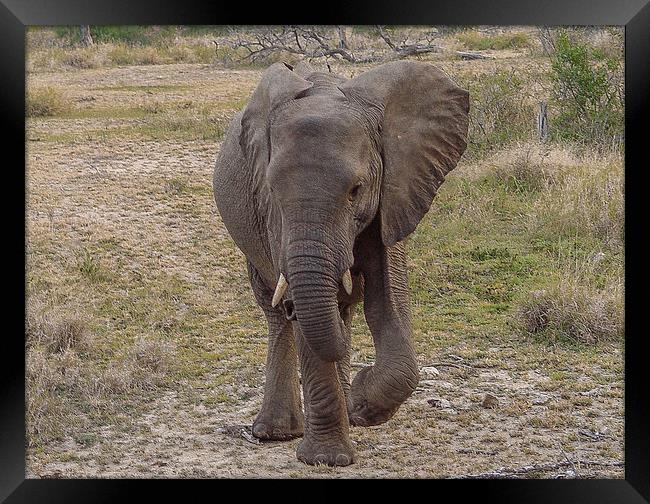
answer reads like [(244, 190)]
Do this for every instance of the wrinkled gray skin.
[(317, 175)]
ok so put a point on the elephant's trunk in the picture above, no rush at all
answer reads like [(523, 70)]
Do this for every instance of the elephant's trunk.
[(314, 278)]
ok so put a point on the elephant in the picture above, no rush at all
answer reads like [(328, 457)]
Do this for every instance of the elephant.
[(318, 181)]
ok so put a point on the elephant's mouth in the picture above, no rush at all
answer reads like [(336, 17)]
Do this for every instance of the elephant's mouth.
[(289, 309)]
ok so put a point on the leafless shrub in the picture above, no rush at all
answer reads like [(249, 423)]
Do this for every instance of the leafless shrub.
[(45, 102), (311, 42), (500, 112), (55, 331), (546, 39), (151, 355), (306, 41)]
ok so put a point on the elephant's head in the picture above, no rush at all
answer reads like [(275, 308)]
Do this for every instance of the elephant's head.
[(329, 155)]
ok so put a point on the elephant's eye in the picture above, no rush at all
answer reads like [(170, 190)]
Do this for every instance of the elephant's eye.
[(354, 192)]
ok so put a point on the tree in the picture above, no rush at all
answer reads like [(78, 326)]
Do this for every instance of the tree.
[(343, 37), (86, 37)]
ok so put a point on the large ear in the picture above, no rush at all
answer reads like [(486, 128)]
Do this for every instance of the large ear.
[(278, 85), (424, 120)]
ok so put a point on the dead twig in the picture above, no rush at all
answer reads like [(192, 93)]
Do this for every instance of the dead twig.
[(450, 364), (504, 472), (573, 466), (248, 436), (404, 49), (472, 55), (596, 436), (236, 431), (470, 451)]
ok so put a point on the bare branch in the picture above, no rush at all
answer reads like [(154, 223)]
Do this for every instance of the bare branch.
[(310, 42), (533, 468), (404, 49), (321, 42)]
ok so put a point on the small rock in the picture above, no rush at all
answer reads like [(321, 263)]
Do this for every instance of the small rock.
[(541, 400), (429, 371), (490, 401), (52, 475), (598, 257), (438, 402)]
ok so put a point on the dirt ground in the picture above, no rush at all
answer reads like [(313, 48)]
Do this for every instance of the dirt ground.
[(144, 207)]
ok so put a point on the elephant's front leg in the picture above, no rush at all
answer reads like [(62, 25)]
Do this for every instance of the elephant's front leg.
[(378, 391), (326, 438), (280, 417)]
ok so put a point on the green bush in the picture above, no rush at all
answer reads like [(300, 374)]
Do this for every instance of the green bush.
[(498, 111), (587, 94)]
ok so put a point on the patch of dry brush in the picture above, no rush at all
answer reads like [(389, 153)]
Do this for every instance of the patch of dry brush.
[(72, 379)]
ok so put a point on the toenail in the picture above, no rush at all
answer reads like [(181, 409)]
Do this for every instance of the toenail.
[(342, 459), (320, 459)]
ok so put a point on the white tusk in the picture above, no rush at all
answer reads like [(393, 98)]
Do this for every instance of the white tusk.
[(279, 290), (347, 282)]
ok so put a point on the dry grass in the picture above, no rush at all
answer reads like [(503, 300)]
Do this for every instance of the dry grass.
[(55, 332), (112, 54), (572, 311), (569, 204), (68, 386), (588, 201)]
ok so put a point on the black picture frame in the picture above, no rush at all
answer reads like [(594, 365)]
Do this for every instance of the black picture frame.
[(16, 15)]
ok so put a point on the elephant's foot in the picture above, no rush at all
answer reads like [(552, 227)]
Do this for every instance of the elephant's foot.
[(270, 427), (331, 452), (369, 404)]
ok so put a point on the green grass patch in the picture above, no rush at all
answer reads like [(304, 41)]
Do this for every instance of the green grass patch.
[(143, 88), (157, 127), (478, 41)]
